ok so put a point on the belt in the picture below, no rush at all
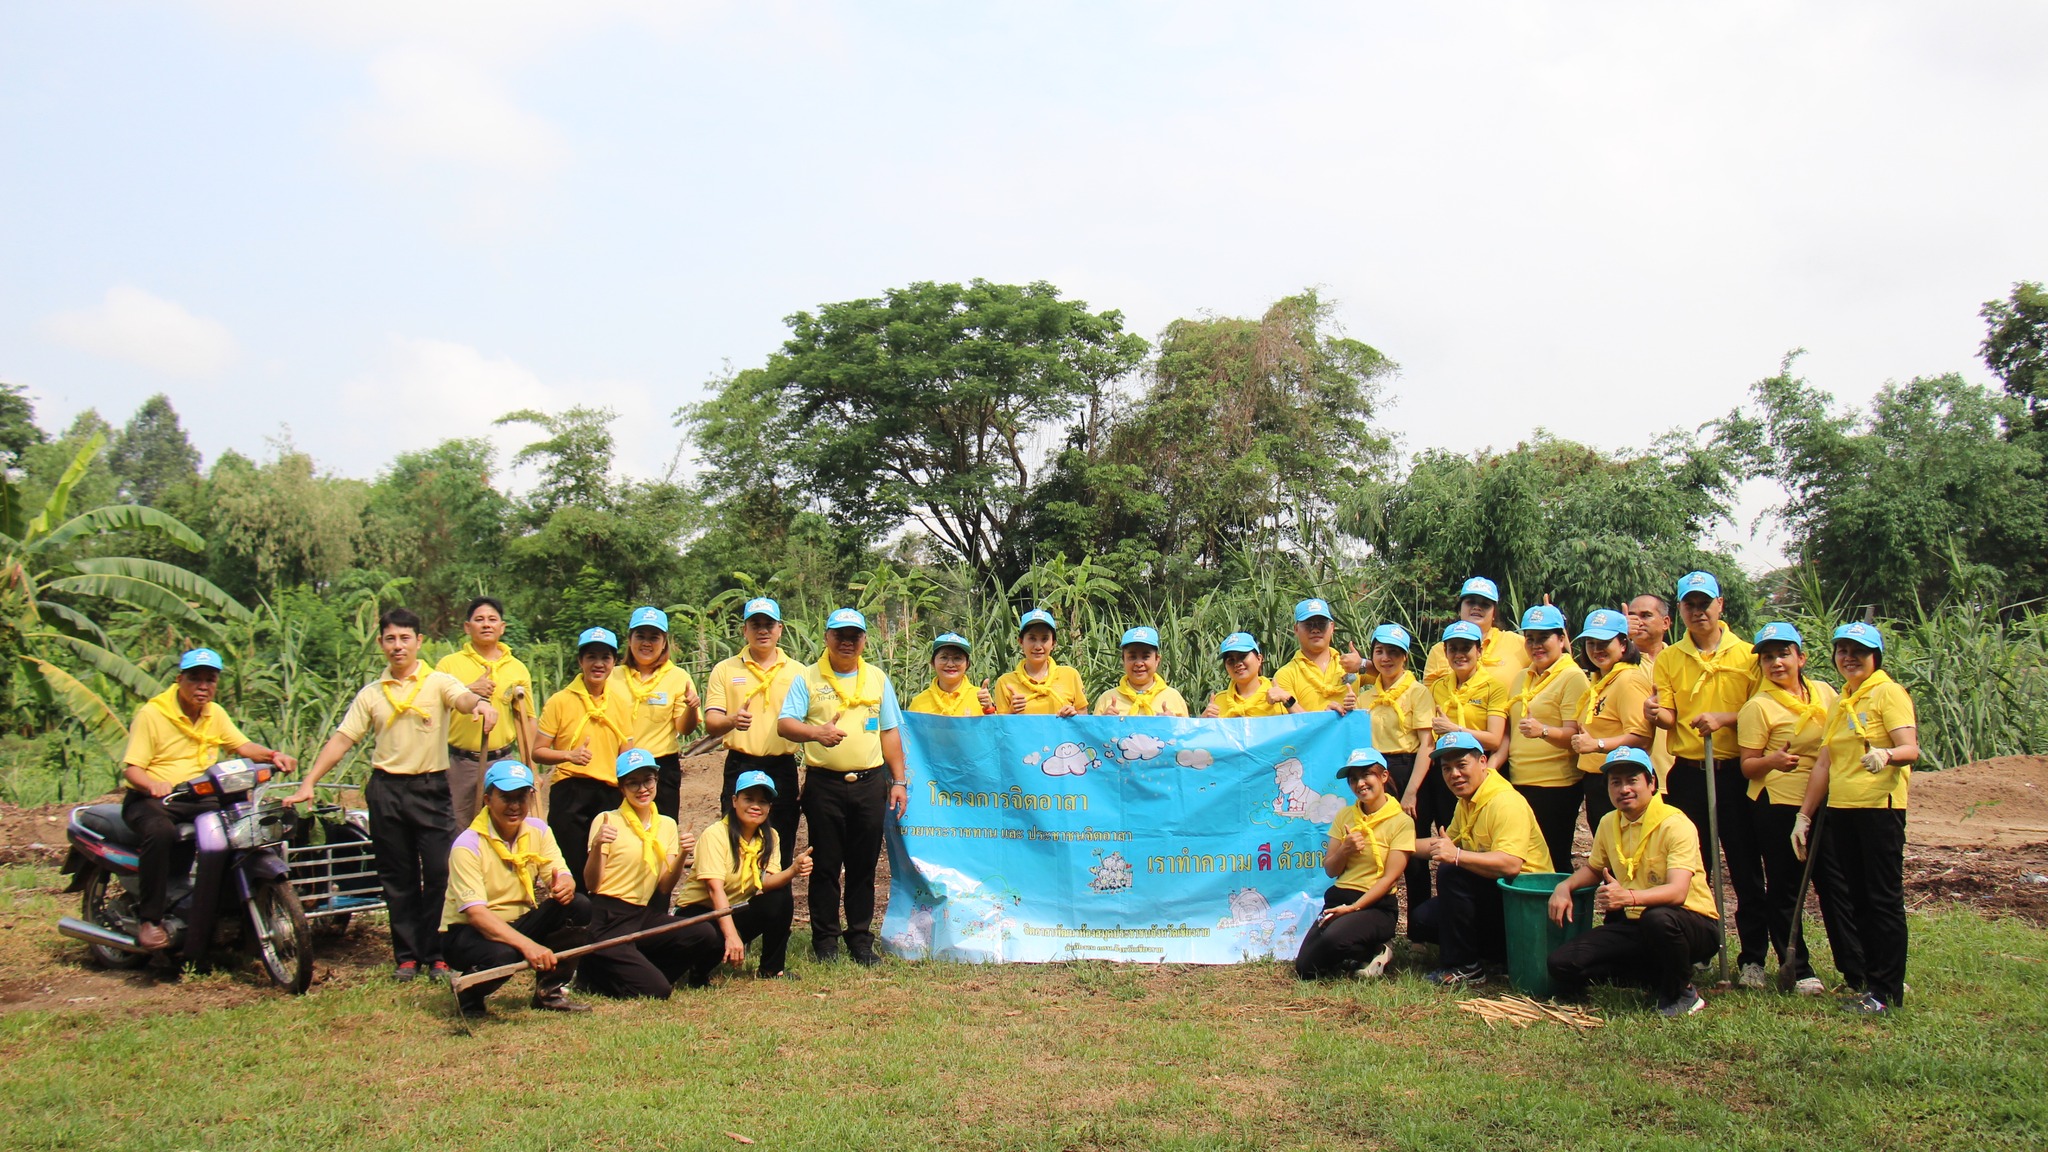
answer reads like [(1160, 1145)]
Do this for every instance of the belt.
[(849, 777), (493, 754)]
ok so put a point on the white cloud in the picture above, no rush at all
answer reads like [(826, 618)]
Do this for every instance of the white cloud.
[(433, 105), (143, 328), (494, 28)]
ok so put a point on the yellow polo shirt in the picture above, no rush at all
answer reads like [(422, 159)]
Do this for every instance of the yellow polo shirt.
[(1502, 654), (409, 718), (1313, 688), (1496, 819), (627, 875), (1165, 702), (1395, 833), (1673, 843), (937, 701), (1860, 721), (737, 681), (1230, 705), (1061, 687), (1612, 708), (1692, 683), (573, 716), (715, 865), (1767, 725), (506, 671), (1552, 698), (168, 746), (478, 874), (657, 705), (1471, 704), (1398, 711)]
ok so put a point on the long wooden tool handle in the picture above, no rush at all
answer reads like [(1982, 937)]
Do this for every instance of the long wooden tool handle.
[(471, 979), (1795, 956)]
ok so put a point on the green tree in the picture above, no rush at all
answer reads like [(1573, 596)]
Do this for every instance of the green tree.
[(18, 430), (435, 517), (924, 405), (151, 455), (283, 520), (1923, 498), (2016, 348), (575, 460)]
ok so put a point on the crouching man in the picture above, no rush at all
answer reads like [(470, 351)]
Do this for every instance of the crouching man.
[(511, 896), (1653, 891), (1493, 834)]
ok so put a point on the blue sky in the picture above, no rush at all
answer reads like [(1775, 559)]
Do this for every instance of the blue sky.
[(382, 224)]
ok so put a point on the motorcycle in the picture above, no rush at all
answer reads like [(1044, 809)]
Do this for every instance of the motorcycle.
[(233, 857)]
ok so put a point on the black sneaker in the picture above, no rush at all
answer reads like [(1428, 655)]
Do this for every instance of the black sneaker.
[(826, 955), (1463, 976), (1687, 1003), (406, 970), (865, 957), (556, 999)]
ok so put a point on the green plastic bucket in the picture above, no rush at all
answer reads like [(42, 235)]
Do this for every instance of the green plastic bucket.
[(1525, 907)]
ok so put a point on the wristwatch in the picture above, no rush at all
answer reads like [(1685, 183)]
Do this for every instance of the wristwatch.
[(1290, 702)]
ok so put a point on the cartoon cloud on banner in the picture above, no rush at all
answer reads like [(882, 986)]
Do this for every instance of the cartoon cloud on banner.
[(1157, 839)]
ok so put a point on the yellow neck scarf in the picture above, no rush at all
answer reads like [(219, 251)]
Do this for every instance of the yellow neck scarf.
[(525, 865), (1144, 703), (1462, 697), (1655, 814), (208, 742), (401, 707), (1467, 811), (490, 668), (758, 677), (594, 712), (1533, 686), (1803, 712), (1597, 691), (1039, 687), (633, 682), (957, 702), (650, 844), (1230, 704), (1494, 650), (1327, 681), (1371, 820), (852, 698), (1723, 659), (1392, 697), (1852, 703), (750, 863)]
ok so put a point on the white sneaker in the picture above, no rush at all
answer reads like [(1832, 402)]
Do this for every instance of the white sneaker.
[(1811, 986), (1753, 977), (1379, 963)]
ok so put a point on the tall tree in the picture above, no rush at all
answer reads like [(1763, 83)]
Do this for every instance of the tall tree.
[(434, 516), (151, 455), (575, 460), (18, 428), (2016, 347), (283, 518)]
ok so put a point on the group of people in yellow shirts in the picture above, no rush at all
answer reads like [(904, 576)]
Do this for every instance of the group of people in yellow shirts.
[(1478, 770)]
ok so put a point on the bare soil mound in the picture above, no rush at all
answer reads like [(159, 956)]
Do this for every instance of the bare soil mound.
[(2001, 803)]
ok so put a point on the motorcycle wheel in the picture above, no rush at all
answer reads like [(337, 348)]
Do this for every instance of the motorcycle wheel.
[(96, 907), (282, 936)]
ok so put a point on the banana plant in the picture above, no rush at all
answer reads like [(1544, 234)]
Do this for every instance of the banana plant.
[(47, 595)]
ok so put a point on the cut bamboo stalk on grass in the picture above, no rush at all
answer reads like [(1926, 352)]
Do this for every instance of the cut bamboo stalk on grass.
[(472, 979)]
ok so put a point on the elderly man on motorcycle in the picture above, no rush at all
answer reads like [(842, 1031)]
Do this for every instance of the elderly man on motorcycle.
[(176, 736)]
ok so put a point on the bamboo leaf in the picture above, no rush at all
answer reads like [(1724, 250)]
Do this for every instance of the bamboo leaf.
[(82, 704), (192, 585), (125, 517), (112, 665)]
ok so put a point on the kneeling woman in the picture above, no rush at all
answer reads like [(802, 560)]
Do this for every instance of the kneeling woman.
[(1370, 843), (734, 859), (636, 857)]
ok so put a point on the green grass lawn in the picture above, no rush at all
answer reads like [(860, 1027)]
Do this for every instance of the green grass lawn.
[(1042, 1057)]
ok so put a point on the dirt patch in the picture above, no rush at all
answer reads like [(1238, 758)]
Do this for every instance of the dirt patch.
[(2001, 803), (36, 835)]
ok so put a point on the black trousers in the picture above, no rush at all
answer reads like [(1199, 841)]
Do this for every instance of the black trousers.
[(668, 785), (1745, 865), (551, 925), (1341, 946), (1463, 919), (1861, 878), (1557, 817), (1434, 806), (648, 969), (1770, 828), (412, 825), (846, 833), (573, 804), (788, 806), (765, 918), (155, 824), (1656, 951), (1598, 803)]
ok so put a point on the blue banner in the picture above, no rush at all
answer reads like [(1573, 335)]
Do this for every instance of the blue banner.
[(1153, 839)]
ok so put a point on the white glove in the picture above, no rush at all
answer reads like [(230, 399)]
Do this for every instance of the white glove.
[(1802, 831), (1877, 759)]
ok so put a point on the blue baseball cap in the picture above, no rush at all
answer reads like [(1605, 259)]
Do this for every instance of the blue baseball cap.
[(762, 606), (603, 636), (1142, 634), (753, 779), (1393, 636), (1457, 742), (1778, 631), (648, 617), (1693, 582), (634, 760), (1311, 608), (1463, 630), (1481, 587), (508, 776), (1861, 633), (951, 640), (1036, 616), (1543, 618), (200, 658), (1603, 624), (1632, 760), (1360, 758), (846, 618), (1237, 642)]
